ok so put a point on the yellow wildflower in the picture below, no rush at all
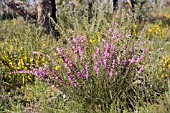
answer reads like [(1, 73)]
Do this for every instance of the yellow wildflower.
[(31, 59), (168, 66), (146, 65), (163, 76), (43, 44), (25, 68), (10, 62), (55, 54), (57, 67), (135, 26), (92, 41), (150, 30), (25, 58), (21, 62), (29, 78), (60, 61), (43, 59), (19, 67), (20, 48), (99, 38), (10, 47)]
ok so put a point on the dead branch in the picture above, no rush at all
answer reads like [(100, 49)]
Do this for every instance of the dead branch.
[(23, 9)]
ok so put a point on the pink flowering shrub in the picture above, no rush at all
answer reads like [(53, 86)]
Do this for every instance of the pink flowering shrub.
[(99, 75)]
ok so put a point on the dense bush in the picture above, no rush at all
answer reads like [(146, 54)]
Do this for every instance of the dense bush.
[(97, 74)]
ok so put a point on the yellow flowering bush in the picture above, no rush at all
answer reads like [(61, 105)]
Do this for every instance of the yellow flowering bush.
[(22, 49), (165, 63), (96, 39), (17, 59), (165, 17), (157, 31)]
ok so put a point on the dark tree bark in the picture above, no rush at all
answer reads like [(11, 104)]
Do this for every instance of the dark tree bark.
[(23, 9), (115, 4), (90, 5), (46, 9), (5, 12), (133, 2)]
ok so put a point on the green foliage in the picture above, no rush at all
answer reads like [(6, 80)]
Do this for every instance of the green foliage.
[(162, 106), (38, 97), (24, 47)]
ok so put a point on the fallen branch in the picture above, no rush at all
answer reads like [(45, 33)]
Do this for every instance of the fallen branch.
[(23, 9), (45, 11)]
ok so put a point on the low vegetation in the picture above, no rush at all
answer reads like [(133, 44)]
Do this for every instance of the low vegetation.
[(110, 65)]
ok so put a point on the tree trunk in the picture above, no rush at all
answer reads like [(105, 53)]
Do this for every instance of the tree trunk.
[(115, 4), (133, 5), (90, 5), (46, 10), (1, 7)]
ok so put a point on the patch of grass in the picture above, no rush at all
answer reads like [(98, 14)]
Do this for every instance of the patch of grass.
[(37, 97)]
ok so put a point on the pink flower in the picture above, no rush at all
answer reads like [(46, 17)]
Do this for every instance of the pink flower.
[(98, 51), (118, 37), (124, 53), (132, 60), (79, 75), (114, 36), (139, 59), (128, 35), (95, 56), (96, 67), (36, 52), (110, 30), (97, 71), (111, 73), (87, 70), (105, 63), (116, 24), (140, 70), (113, 63), (72, 79)]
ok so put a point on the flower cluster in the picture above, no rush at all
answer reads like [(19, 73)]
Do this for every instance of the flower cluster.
[(17, 60), (79, 46), (135, 30), (86, 70), (95, 40), (165, 63), (157, 30), (115, 57)]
